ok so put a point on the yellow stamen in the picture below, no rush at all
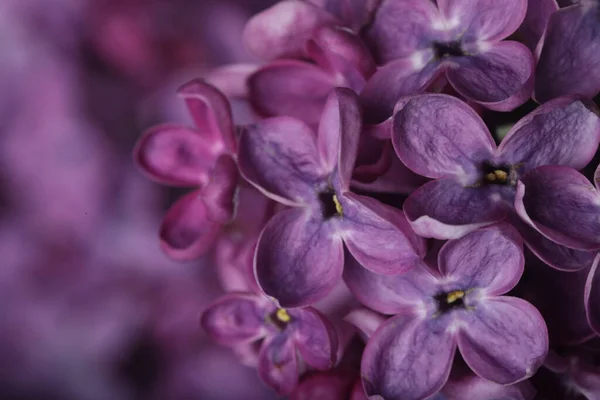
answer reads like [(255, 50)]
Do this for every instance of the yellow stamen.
[(338, 205), (455, 295), (282, 315), (491, 177), (501, 175)]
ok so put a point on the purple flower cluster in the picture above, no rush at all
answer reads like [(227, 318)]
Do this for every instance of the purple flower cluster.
[(397, 195)]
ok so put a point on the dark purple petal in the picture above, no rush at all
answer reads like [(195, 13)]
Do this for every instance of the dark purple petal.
[(499, 77), (592, 296), (378, 236), (402, 27), (187, 230), (283, 29), (279, 156), (473, 387), (597, 178), (278, 365), (504, 339), (211, 112), (323, 386), (484, 20), (538, 15), (407, 358), (570, 52), (437, 135), (218, 194), (315, 338), (175, 155), (490, 259), (299, 258), (586, 378), (565, 131), (290, 88), (353, 13), (235, 318), (562, 205), (445, 209), (339, 134)]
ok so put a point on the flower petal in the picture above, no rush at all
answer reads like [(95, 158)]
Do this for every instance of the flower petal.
[(234, 318), (572, 34), (484, 20), (562, 205), (211, 112), (219, 193), (565, 131), (378, 236), (437, 135), (291, 88), (277, 364), (279, 156), (323, 386), (339, 134), (315, 338), (473, 387), (283, 29), (445, 209), (504, 339), (490, 259), (538, 15), (187, 232), (592, 296), (365, 320), (499, 77), (299, 259), (175, 155), (353, 13), (407, 358)]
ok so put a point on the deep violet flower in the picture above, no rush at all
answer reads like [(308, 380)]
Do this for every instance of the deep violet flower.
[(329, 386), (440, 137), (501, 338), (532, 28), (180, 156), (571, 377), (300, 253), (568, 63), (239, 318), (417, 42)]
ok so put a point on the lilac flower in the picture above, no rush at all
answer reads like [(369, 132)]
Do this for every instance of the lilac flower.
[(502, 339), (417, 42), (239, 318), (570, 53), (329, 386), (473, 387), (536, 19), (475, 184), (179, 156), (300, 254), (572, 378)]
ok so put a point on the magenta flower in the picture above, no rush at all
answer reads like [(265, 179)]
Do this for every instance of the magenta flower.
[(300, 254), (502, 339), (417, 41), (181, 156), (239, 318)]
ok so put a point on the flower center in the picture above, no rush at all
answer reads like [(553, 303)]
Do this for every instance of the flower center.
[(280, 318), (449, 301), (498, 175), (330, 205), (447, 49)]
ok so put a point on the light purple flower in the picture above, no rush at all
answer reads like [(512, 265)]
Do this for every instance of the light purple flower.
[(532, 28), (239, 318), (300, 254), (570, 53), (418, 41), (440, 137), (502, 339)]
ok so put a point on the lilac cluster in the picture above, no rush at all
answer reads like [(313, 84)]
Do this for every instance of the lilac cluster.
[(373, 216)]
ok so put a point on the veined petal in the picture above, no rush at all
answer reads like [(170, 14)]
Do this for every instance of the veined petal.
[(562, 205), (408, 358), (564, 131), (538, 15), (279, 156), (504, 340), (299, 258), (437, 135), (278, 365), (315, 338), (592, 296)]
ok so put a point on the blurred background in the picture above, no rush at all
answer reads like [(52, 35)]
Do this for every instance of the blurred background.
[(90, 307)]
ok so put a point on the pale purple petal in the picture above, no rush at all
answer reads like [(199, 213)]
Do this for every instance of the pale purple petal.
[(315, 338), (437, 135), (445, 209), (176, 155), (592, 296), (187, 230), (499, 77), (565, 131), (490, 259), (366, 320), (538, 15), (299, 259), (279, 156), (562, 205), (504, 339), (407, 358), (219, 193), (290, 88), (378, 236), (235, 318), (232, 79), (484, 20), (278, 365)]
